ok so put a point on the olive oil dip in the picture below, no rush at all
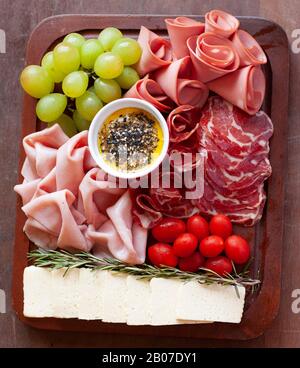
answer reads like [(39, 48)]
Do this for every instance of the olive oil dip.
[(130, 139)]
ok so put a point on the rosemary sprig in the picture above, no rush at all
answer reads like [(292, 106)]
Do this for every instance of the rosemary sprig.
[(63, 259)]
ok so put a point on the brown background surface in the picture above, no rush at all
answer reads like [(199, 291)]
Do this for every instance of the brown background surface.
[(18, 18)]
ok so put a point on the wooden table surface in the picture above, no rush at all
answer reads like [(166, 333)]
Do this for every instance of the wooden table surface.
[(17, 21)]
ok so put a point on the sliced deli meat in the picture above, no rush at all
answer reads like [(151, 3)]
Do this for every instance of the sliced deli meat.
[(237, 163), (179, 30), (149, 90), (248, 48), (221, 23), (156, 52), (177, 81), (212, 55), (244, 88)]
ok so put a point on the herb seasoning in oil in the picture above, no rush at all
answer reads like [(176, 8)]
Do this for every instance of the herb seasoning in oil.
[(130, 139)]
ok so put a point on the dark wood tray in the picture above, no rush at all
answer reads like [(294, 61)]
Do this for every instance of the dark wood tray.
[(266, 238)]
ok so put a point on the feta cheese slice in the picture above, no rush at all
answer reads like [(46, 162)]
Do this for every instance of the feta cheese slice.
[(216, 302), (38, 301), (65, 292), (114, 298), (138, 301), (91, 285)]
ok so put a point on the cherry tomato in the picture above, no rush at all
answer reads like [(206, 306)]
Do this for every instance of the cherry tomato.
[(221, 265), (161, 254), (220, 225), (237, 249), (191, 263), (185, 245), (198, 226), (168, 229), (211, 246)]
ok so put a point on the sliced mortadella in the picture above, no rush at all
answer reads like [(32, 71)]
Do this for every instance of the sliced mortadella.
[(183, 122), (149, 90), (156, 52), (179, 30), (221, 23), (41, 149), (244, 88), (51, 220), (213, 56), (177, 82), (73, 161), (248, 48)]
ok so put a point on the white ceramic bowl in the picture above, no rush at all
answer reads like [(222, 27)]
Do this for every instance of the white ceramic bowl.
[(100, 119)]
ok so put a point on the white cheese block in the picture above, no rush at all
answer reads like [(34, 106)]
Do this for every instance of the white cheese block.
[(38, 301), (65, 292), (115, 298), (216, 302), (90, 303), (138, 301)]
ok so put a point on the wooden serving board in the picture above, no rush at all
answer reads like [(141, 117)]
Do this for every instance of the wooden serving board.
[(265, 238)]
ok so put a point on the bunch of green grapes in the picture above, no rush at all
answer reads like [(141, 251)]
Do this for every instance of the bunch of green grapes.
[(79, 76)]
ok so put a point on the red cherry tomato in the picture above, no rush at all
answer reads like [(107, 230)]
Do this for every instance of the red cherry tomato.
[(191, 263), (185, 245), (220, 225), (168, 229), (237, 249), (198, 226), (221, 265), (211, 246), (161, 254)]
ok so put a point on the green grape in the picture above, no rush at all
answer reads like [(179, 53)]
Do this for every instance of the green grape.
[(128, 49), (107, 89), (108, 65), (80, 122), (74, 39), (66, 58), (67, 124), (50, 107), (92, 89), (109, 36), (89, 52), (88, 105), (128, 77), (75, 84), (48, 64), (36, 81)]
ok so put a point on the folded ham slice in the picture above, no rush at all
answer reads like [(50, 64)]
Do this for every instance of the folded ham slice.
[(73, 161), (156, 52), (51, 222), (221, 23), (149, 90), (41, 149), (179, 30), (183, 122), (248, 49), (244, 88), (177, 82), (120, 235), (212, 55)]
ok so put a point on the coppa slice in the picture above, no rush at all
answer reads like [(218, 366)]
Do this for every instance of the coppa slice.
[(237, 162)]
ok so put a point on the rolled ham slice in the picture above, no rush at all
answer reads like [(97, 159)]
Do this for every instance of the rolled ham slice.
[(149, 90), (156, 52), (213, 56), (183, 122), (248, 49), (177, 82), (245, 88), (179, 30), (221, 23), (120, 235)]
